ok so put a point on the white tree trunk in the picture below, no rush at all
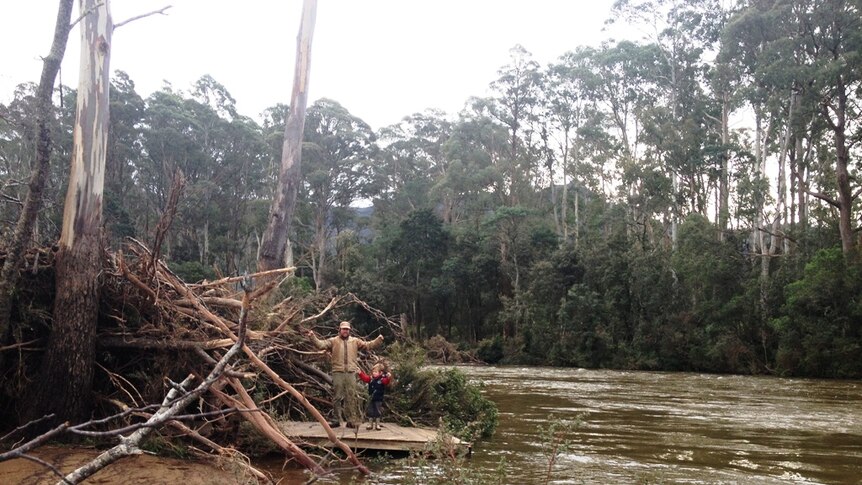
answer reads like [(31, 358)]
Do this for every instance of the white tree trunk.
[(274, 246), (67, 368)]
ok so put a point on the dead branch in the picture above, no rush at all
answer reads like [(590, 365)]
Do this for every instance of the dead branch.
[(395, 326), (121, 341), (313, 317), (312, 370), (134, 279), (234, 279), (138, 17), (171, 406), (20, 451), (121, 382), (25, 426), (211, 300), (266, 425), (50, 466), (19, 345), (167, 218)]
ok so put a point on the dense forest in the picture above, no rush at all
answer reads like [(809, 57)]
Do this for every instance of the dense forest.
[(684, 202)]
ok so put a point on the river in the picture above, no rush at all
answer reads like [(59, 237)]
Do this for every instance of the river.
[(655, 427)]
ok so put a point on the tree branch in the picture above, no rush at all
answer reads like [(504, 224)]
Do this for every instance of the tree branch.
[(84, 14), (138, 17), (167, 411), (19, 451), (824, 198)]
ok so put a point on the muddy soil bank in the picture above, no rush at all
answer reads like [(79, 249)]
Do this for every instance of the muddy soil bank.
[(139, 469)]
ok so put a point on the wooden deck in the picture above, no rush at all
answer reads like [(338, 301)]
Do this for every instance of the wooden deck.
[(390, 438)]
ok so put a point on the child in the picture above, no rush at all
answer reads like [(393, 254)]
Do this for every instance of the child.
[(377, 383)]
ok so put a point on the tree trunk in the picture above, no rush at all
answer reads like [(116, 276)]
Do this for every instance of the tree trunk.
[(9, 274), (802, 181), (274, 245), (781, 194), (842, 174), (576, 145), (775, 240), (723, 183), (67, 368)]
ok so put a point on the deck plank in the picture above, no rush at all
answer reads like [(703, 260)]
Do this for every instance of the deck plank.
[(391, 438)]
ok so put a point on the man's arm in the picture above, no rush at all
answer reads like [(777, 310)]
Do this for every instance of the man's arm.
[(320, 344), (372, 344)]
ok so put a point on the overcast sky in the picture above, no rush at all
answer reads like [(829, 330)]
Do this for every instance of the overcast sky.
[(381, 59)]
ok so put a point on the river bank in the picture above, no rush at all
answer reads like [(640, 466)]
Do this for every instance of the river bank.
[(133, 470)]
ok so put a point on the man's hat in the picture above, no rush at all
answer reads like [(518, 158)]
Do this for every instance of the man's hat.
[(344, 324)]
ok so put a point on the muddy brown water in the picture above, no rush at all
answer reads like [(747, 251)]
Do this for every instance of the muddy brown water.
[(653, 427), (650, 427)]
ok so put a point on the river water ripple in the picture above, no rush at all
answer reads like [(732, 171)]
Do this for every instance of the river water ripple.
[(653, 427)]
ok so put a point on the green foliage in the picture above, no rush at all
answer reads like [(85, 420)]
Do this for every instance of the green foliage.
[(556, 440), (820, 328), (442, 395), (490, 350), (192, 271)]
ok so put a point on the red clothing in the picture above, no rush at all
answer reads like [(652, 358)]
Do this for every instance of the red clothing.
[(367, 378), (376, 386)]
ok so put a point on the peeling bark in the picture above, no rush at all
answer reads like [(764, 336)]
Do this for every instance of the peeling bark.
[(274, 245), (67, 368)]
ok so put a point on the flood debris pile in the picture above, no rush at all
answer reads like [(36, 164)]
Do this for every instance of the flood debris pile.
[(196, 363)]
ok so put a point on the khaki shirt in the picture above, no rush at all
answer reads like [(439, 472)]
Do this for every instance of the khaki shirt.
[(345, 352)]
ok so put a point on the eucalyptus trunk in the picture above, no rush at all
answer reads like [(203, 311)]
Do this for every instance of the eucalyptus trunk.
[(775, 238), (274, 245), (67, 368), (723, 183), (802, 157), (9, 275), (842, 174)]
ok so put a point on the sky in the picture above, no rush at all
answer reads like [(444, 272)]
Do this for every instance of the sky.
[(381, 59)]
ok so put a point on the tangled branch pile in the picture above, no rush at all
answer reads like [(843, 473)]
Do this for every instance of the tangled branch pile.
[(156, 331)]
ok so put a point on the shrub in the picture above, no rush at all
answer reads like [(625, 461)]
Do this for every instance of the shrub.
[(490, 350), (434, 395)]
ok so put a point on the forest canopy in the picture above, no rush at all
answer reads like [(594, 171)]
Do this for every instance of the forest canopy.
[(603, 210)]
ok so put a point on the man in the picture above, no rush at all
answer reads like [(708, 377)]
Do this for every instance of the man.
[(344, 351)]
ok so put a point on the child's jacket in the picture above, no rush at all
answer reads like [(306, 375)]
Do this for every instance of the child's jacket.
[(376, 387)]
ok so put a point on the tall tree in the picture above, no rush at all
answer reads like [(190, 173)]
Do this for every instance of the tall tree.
[(567, 103), (44, 145), (515, 105), (275, 238), (414, 166), (834, 32), (67, 367), (338, 150), (682, 31)]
